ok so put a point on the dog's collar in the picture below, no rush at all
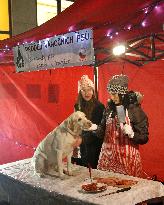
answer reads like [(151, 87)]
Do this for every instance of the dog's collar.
[(70, 132)]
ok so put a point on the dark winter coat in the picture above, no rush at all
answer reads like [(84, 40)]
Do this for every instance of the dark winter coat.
[(91, 144), (138, 120)]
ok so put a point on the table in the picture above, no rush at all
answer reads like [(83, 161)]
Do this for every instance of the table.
[(19, 186)]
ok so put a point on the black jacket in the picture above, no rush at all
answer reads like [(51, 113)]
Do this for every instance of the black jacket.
[(91, 144)]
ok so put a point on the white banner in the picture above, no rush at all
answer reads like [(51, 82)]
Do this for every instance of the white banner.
[(71, 49)]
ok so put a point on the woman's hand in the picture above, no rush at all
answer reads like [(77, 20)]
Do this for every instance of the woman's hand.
[(127, 129), (93, 127)]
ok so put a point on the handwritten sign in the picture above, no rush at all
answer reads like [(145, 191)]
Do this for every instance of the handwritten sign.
[(71, 49)]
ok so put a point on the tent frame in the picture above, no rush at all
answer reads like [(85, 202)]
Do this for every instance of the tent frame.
[(139, 51)]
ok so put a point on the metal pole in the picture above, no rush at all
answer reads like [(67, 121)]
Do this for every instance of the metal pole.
[(10, 18), (96, 80), (58, 6), (153, 46)]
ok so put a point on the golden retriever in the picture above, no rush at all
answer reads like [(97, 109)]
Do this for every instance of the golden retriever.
[(58, 145)]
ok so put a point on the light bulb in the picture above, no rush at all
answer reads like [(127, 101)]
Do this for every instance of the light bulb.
[(118, 50)]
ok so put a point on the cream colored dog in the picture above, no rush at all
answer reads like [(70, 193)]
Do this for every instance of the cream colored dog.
[(59, 144)]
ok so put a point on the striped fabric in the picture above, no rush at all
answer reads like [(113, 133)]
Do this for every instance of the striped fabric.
[(118, 153)]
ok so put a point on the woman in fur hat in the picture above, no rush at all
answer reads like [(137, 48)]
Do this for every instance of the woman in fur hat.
[(124, 126), (87, 103)]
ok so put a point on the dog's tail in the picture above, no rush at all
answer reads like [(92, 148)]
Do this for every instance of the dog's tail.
[(40, 154), (35, 157)]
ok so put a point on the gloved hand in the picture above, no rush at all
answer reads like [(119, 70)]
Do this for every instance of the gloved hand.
[(93, 127), (127, 129)]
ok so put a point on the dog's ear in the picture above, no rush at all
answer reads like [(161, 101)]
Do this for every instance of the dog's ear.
[(69, 124)]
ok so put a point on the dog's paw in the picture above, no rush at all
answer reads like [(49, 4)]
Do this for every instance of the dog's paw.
[(74, 173), (63, 176), (69, 173), (39, 174), (51, 172)]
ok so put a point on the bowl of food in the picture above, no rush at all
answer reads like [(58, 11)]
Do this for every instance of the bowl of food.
[(115, 182), (94, 187)]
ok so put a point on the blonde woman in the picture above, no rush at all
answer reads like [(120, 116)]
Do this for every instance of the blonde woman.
[(93, 109)]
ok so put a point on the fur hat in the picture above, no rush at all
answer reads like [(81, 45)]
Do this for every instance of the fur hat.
[(139, 97), (85, 82), (118, 84)]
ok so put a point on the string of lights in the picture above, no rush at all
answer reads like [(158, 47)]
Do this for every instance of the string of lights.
[(126, 26), (19, 144), (129, 25)]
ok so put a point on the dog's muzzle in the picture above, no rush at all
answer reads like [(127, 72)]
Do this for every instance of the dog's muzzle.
[(87, 125)]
